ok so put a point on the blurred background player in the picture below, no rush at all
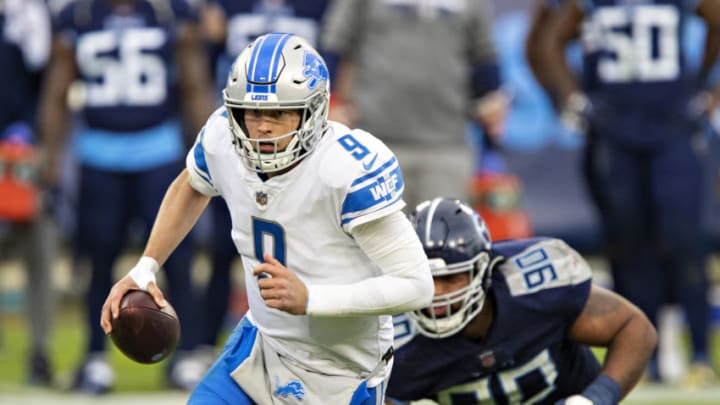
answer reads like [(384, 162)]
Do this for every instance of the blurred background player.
[(414, 73), (512, 321), (25, 35), (138, 63), (644, 162)]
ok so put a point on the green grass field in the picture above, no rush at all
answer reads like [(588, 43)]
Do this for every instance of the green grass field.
[(137, 383), (67, 349)]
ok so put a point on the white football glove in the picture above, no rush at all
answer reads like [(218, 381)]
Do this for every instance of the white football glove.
[(574, 114), (576, 400), (144, 272)]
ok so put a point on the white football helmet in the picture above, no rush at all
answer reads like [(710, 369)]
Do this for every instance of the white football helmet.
[(278, 71), (456, 240)]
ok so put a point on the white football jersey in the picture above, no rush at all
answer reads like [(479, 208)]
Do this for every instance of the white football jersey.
[(304, 218)]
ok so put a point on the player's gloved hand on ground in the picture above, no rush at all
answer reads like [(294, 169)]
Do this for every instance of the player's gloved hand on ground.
[(575, 113), (282, 290), (140, 277)]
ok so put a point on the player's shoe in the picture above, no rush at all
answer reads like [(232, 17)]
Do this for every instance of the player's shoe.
[(186, 371), (95, 376), (699, 375), (40, 371)]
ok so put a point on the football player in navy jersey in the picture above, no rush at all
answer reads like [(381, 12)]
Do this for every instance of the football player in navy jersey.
[(512, 321), (138, 61), (236, 23), (639, 99), (25, 33)]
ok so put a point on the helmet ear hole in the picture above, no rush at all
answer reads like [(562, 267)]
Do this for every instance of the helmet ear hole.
[(238, 115)]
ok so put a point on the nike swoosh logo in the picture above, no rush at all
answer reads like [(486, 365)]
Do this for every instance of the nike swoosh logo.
[(370, 164)]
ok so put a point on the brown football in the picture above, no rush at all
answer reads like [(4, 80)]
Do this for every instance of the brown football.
[(143, 331)]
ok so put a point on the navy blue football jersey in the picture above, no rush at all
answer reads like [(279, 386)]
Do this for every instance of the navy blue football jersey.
[(634, 57), (248, 19), (18, 80), (539, 286), (126, 59)]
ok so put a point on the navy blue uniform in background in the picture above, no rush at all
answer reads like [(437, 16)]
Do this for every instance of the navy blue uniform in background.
[(129, 142), (645, 162), (19, 96), (248, 19), (525, 356)]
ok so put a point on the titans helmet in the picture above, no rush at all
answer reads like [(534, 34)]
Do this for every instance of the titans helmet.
[(278, 71), (456, 240)]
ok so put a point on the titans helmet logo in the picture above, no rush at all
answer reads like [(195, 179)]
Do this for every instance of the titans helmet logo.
[(315, 70)]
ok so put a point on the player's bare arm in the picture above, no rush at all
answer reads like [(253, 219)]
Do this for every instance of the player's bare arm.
[(54, 112), (195, 83), (611, 321), (179, 211), (534, 54), (562, 29), (282, 290), (709, 11)]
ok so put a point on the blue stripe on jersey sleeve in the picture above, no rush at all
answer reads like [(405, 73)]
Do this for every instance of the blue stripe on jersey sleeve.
[(200, 163), (373, 192)]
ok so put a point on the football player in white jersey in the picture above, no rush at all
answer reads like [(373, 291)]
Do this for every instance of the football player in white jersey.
[(316, 210)]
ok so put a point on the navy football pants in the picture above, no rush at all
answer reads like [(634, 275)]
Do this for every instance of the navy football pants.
[(650, 201), (108, 203)]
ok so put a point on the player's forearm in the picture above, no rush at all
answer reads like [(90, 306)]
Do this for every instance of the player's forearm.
[(534, 46), (629, 351), (195, 82), (54, 114), (405, 285), (180, 209), (559, 33), (384, 295)]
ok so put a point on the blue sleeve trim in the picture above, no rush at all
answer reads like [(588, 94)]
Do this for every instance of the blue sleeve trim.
[(200, 163), (603, 391), (485, 78), (373, 192)]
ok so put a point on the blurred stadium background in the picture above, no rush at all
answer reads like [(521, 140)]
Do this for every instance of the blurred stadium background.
[(553, 198)]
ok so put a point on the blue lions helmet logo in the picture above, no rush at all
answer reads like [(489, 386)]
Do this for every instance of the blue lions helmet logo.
[(293, 388), (315, 70)]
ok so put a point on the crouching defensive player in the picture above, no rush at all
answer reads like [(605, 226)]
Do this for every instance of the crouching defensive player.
[(512, 322)]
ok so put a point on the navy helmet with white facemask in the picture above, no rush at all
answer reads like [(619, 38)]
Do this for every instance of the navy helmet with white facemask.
[(456, 240)]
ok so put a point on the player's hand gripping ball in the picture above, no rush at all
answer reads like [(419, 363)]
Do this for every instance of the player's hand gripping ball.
[(142, 330)]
